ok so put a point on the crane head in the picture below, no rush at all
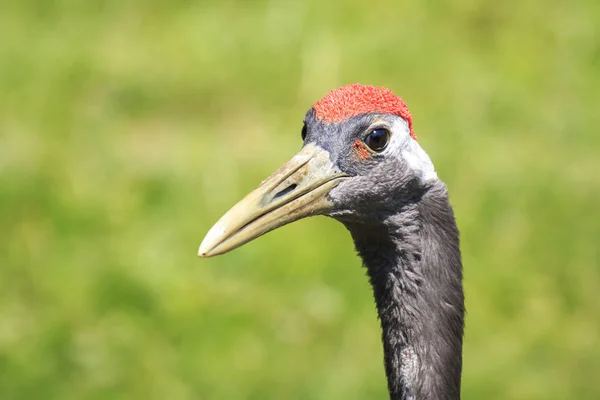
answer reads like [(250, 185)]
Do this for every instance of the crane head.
[(360, 158)]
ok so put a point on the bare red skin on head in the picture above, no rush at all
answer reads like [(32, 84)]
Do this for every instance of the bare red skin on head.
[(360, 149), (356, 99)]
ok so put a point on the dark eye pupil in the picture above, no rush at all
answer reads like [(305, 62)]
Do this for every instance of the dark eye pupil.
[(303, 132), (378, 139)]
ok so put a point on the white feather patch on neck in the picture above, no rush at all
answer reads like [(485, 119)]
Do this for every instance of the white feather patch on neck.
[(411, 151)]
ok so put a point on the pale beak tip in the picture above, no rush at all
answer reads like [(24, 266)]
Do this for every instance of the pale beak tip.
[(204, 249), (211, 240)]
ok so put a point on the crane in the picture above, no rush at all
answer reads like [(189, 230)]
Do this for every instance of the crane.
[(361, 164)]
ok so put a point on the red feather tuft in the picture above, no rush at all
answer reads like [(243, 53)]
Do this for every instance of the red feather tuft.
[(356, 99), (360, 149)]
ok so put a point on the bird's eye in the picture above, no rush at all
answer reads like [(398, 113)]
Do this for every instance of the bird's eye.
[(378, 139), (303, 132)]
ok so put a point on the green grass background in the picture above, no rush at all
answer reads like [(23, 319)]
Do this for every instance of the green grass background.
[(128, 127)]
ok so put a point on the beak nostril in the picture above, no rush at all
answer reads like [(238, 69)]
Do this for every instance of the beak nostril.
[(285, 191)]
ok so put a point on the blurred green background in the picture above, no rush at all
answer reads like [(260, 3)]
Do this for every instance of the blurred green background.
[(128, 127)]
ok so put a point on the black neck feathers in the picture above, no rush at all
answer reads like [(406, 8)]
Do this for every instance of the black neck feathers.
[(414, 264)]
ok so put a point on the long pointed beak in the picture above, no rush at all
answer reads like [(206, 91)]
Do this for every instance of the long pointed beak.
[(296, 190)]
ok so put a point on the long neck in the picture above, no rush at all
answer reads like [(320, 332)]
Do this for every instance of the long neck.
[(413, 261)]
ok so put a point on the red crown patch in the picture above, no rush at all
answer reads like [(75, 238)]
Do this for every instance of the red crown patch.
[(356, 99)]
